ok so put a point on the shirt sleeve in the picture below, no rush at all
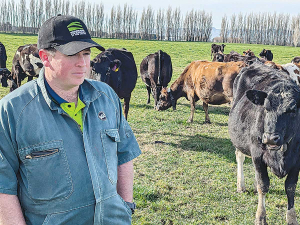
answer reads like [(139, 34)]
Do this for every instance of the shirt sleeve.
[(9, 165), (128, 148)]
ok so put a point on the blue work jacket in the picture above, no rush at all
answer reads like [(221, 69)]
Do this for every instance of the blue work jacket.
[(61, 174)]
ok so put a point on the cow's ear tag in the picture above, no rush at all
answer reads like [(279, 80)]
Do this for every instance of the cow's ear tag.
[(116, 70)]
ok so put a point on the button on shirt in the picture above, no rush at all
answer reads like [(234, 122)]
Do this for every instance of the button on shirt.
[(62, 174)]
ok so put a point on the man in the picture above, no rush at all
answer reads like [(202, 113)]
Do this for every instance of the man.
[(66, 150)]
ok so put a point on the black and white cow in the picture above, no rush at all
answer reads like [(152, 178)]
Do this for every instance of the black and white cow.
[(26, 63), (3, 56), (264, 124)]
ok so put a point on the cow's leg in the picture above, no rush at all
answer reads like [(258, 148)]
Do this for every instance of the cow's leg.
[(240, 158), (290, 187), (149, 93), (205, 107), (192, 101), (30, 78), (126, 106), (263, 183)]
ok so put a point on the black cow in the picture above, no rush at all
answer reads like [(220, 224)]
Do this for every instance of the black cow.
[(156, 72), (264, 123), (4, 74), (3, 56), (216, 48), (267, 54), (117, 68), (26, 63)]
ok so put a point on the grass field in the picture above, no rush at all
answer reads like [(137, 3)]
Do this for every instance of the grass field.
[(187, 172)]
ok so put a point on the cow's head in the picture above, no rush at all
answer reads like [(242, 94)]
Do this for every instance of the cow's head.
[(296, 61), (4, 74), (281, 106), (266, 54), (218, 57), (30, 60), (103, 67), (166, 100)]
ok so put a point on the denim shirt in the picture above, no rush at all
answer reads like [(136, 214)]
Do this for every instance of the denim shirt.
[(61, 174)]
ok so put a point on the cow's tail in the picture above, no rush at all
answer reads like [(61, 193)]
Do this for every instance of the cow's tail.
[(159, 69)]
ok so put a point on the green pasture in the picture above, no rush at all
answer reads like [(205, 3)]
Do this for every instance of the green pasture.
[(187, 172)]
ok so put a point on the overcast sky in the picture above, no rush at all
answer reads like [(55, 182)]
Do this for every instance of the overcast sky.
[(218, 8)]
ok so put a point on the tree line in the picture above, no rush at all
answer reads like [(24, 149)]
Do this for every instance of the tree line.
[(261, 28), (164, 24)]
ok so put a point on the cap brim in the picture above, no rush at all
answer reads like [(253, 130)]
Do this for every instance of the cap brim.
[(74, 47)]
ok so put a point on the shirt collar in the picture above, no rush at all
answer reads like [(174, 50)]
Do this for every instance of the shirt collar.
[(87, 92)]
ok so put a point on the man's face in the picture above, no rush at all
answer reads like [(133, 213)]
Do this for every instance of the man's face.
[(68, 71)]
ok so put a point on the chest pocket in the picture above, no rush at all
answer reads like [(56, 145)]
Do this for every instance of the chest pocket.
[(47, 171), (109, 139)]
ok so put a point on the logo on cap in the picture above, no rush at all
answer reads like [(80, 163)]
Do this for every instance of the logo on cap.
[(76, 29)]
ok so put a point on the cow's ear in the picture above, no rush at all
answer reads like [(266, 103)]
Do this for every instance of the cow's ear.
[(256, 97)]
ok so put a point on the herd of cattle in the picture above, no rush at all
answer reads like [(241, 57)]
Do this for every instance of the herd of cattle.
[(264, 120)]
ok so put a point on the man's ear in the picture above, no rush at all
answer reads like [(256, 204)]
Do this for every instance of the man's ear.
[(256, 97), (44, 57)]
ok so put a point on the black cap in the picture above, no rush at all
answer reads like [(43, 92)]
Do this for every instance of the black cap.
[(66, 34)]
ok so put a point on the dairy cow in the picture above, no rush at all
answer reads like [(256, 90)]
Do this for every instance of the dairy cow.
[(4, 74), (117, 68), (267, 54), (156, 72), (264, 124), (3, 56), (209, 81), (26, 63), (216, 48)]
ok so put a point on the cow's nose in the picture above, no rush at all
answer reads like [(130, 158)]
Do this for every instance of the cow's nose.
[(271, 139)]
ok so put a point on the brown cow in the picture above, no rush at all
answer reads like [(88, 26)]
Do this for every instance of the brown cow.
[(248, 53), (211, 82)]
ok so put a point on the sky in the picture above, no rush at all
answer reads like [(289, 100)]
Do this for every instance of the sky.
[(218, 8)]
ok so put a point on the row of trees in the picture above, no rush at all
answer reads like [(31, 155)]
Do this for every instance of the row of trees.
[(261, 28), (124, 22)]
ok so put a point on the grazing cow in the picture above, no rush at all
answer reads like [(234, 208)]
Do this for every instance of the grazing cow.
[(296, 61), (3, 56), (234, 57), (4, 74), (117, 68), (209, 81), (267, 54), (216, 48), (156, 72), (26, 63), (263, 123)]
